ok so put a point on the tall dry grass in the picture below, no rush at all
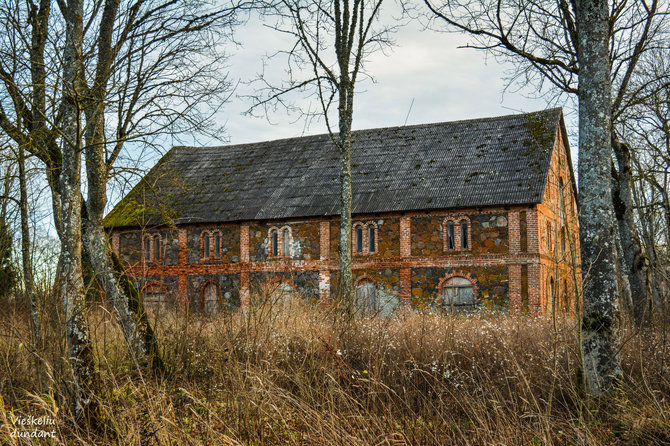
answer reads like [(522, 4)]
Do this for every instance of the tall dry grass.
[(292, 373)]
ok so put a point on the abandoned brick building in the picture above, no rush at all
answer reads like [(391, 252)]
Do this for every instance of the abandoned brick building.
[(460, 215)]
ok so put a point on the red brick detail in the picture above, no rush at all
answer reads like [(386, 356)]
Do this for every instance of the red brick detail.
[(182, 291), (534, 289), (533, 231), (182, 243), (244, 243), (115, 242), (324, 287), (405, 236), (244, 289), (514, 232), (405, 287), (514, 289), (324, 240)]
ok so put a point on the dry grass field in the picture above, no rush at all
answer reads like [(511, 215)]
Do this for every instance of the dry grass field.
[(295, 374)]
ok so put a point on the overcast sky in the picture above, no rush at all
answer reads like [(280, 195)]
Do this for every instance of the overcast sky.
[(444, 82)]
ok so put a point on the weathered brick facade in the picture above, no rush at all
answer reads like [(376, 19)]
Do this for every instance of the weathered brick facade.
[(516, 258)]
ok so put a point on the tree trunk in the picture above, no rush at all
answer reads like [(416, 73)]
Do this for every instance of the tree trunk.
[(71, 281), (28, 282), (127, 302), (346, 279), (636, 268), (596, 218)]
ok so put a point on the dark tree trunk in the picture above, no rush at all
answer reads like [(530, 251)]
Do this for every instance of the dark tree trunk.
[(600, 321), (633, 259)]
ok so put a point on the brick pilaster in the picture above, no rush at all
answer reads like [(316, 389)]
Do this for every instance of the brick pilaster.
[(244, 289), (182, 291), (514, 232), (324, 240), (533, 231), (182, 243), (405, 288), (534, 289), (405, 237), (514, 289), (324, 287), (244, 243)]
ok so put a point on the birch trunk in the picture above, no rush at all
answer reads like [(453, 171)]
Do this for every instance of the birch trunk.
[(346, 279), (127, 302), (71, 280), (600, 320), (28, 282)]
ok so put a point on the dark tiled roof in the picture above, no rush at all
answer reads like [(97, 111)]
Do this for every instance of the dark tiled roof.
[(479, 162)]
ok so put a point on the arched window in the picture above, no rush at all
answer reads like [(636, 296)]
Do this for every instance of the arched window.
[(465, 236), (274, 243), (451, 239), (458, 295), (372, 243), (217, 244), (561, 197), (205, 245), (366, 297), (286, 242), (155, 297), (563, 238), (359, 239), (157, 248), (147, 248), (210, 299)]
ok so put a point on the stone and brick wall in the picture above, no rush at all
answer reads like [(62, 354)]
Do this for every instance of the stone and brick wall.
[(504, 259)]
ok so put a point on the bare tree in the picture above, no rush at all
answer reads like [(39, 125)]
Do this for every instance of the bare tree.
[(332, 40), (151, 69), (600, 341), (541, 39)]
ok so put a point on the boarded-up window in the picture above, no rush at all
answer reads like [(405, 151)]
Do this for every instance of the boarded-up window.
[(155, 298), (210, 299), (458, 295), (366, 297)]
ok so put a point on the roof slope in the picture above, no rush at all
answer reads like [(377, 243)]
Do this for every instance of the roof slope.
[(480, 162)]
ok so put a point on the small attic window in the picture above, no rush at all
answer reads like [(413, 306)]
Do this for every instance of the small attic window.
[(372, 245), (359, 239), (465, 234), (205, 245), (451, 244), (286, 242), (152, 247), (274, 242)]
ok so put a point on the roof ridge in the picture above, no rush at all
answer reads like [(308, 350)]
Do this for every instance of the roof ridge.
[(395, 127)]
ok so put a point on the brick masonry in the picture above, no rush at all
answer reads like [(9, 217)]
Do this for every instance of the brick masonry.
[(507, 258)]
